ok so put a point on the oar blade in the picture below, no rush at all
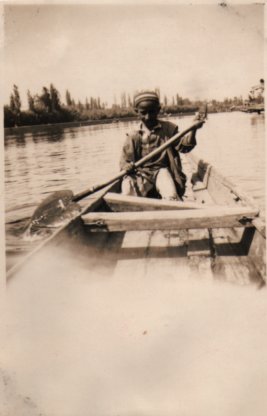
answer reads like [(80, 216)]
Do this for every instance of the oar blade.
[(53, 211)]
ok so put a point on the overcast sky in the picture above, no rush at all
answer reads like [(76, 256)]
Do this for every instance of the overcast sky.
[(197, 50)]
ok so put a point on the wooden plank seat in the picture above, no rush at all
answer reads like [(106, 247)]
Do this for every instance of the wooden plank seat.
[(168, 220)]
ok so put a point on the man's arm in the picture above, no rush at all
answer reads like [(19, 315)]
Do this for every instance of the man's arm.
[(189, 142), (127, 154)]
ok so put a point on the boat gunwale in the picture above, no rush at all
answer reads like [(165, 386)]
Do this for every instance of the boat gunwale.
[(211, 172)]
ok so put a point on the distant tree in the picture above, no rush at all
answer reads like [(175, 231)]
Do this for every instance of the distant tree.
[(55, 100), (123, 100), (186, 101), (130, 101), (30, 101), (68, 98), (238, 100), (17, 100), (80, 106), (9, 117), (12, 103), (15, 104), (179, 100), (165, 100), (45, 99), (38, 104), (87, 105)]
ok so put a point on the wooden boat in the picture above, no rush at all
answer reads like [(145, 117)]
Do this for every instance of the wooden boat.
[(254, 108), (251, 108), (217, 232)]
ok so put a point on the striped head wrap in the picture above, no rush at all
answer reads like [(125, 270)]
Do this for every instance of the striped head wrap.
[(146, 96)]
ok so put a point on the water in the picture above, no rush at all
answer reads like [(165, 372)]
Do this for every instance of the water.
[(41, 162)]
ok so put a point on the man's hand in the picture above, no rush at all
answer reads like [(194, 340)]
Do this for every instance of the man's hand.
[(129, 167), (200, 117)]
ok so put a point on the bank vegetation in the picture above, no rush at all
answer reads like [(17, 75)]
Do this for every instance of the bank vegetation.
[(47, 107)]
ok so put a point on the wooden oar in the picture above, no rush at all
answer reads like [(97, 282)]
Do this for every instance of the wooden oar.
[(140, 162), (63, 205)]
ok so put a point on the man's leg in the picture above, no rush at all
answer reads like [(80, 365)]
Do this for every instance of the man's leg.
[(165, 185), (135, 186), (127, 187)]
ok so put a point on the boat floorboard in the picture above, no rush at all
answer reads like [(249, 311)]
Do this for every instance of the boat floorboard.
[(178, 255)]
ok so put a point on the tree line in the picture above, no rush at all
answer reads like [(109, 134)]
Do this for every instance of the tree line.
[(47, 107)]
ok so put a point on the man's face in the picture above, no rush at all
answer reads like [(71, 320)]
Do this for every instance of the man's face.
[(148, 113)]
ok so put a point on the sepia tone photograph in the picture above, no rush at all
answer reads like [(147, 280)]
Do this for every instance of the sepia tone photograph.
[(133, 242)]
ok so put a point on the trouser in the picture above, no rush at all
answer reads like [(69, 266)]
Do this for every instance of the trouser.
[(140, 186)]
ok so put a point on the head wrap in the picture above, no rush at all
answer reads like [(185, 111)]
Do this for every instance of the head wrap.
[(146, 96)]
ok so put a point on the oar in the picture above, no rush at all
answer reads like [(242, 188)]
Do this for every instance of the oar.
[(63, 205), (140, 162)]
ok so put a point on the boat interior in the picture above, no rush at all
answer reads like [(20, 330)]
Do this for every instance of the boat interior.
[(215, 233)]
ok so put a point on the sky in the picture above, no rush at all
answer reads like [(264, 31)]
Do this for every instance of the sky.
[(200, 51)]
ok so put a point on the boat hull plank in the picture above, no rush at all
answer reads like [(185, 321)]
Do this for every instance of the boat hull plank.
[(231, 260), (132, 254), (153, 253), (254, 242), (200, 254), (167, 255), (221, 189)]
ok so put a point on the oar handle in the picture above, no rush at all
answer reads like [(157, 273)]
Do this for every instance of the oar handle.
[(140, 162)]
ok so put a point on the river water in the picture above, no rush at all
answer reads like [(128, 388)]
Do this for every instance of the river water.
[(40, 162)]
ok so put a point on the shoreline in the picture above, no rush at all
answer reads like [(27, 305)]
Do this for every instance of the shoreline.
[(47, 127), (44, 127)]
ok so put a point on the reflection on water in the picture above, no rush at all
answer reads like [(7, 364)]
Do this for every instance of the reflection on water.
[(40, 161)]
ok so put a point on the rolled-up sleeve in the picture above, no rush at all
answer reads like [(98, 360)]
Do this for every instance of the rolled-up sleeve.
[(189, 142), (127, 153)]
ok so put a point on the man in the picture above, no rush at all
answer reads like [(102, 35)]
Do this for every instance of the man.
[(257, 93), (162, 176)]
